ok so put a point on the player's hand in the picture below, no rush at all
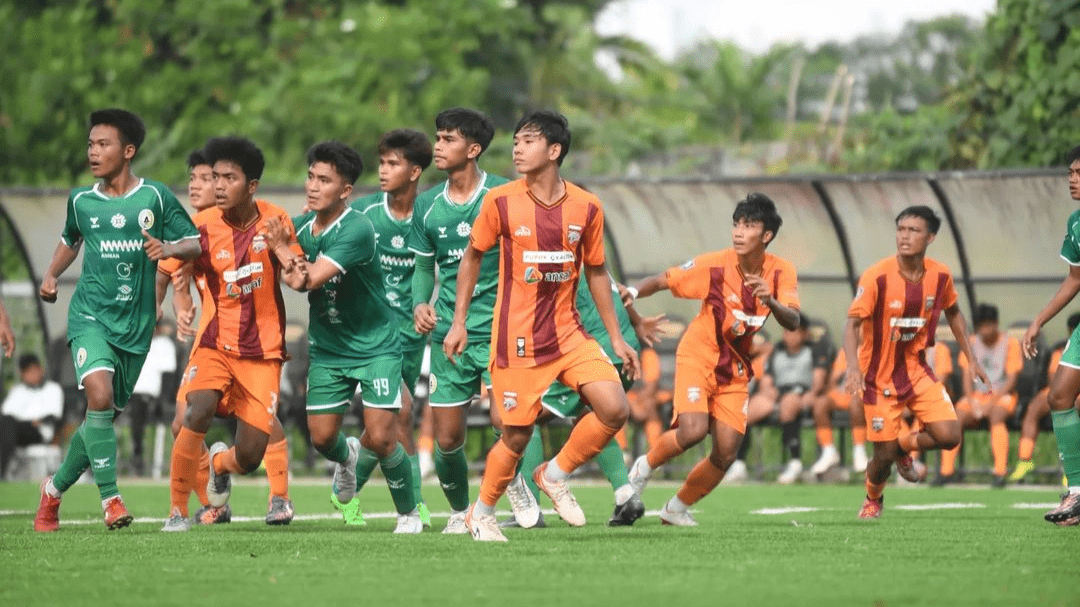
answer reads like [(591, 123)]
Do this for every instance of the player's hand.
[(758, 287), (649, 330), (185, 324), (631, 365), (47, 292), (424, 319), (625, 295), (854, 382), (1027, 342), (980, 375), (275, 233), (456, 340), (7, 339), (155, 249)]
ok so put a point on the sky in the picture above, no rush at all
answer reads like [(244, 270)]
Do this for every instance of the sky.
[(671, 25)]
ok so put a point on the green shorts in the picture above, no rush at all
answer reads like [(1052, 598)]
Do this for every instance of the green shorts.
[(92, 352), (412, 358), (1070, 356), (331, 389), (454, 385), (566, 403)]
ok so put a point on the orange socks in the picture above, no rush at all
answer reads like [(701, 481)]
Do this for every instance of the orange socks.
[(858, 434), (874, 490), (824, 435), (498, 472), (588, 438), (702, 479), (202, 478), (948, 460), (225, 462), (653, 430), (999, 447), (276, 461), (184, 468), (1027, 448), (425, 443), (620, 438), (663, 450)]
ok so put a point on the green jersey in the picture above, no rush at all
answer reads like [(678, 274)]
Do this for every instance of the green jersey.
[(395, 258), (1070, 248), (349, 323), (594, 325), (115, 292), (441, 228)]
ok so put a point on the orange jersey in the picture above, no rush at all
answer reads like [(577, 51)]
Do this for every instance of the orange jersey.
[(541, 250), (650, 365), (243, 312), (902, 319), (999, 361), (721, 336), (939, 359)]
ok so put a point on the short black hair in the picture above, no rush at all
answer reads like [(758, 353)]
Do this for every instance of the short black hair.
[(346, 161), (552, 125), (239, 150), (470, 123), (413, 145), (1072, 156), (1073, 321), (28, 360), (984, 313), (196, 158), (129, 125), (933, 222), (758, 207)]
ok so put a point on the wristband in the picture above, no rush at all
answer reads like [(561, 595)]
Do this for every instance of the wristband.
[(633, 292)]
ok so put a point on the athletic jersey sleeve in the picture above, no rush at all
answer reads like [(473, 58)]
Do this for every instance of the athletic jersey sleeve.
[(170, 265), (353, 246), (71, 234), (485, 230), (865, 296), (177, 223), (691, 279), (593, 240), (1014, 361), (1070, 247), (949, 293), (419, 240)]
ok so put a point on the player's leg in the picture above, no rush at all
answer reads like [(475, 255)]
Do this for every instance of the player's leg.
[(822, 407), (425, 442), (380, 386), (276, 462), (1064, 389), (857, 415), (412, 358), (883, 428), (791, 404), (966, 416), (708, 472), (999, 436), (1037, 409), (452, 390), (207, 380)]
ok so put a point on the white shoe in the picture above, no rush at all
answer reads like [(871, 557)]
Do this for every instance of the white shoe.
[(565, 505), (639, 474), (456, 524), (791, 472), (220, 485), (409, 523), (177, 522), (829, 458), (345, 474), (483, 528), (858, 459), (678, 518), (736, 473), (427, 463), (523, 503)]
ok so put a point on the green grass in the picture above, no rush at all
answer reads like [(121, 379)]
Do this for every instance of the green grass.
[(995, 554)]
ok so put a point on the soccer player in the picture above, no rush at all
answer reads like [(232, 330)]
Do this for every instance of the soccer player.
[(1065, 387), (404, 154), (352, 335), (276, 461), (235, 367), (545, 229), (127, 224), (833, 400), (999, 355), (902, 298), (739, 288), (442, 220)]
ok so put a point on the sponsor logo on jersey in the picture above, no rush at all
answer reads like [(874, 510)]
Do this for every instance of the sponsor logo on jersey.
[(234, 290), (456, 254), (877, 424), (442, 232), (398, 242), (80, 357), (146, 219), (94, 223), (896, 304), (523, 231), (573, 233), (258, 244), (907, 323), (532, 275), (557, 276), (111, 249), (393, 261), (242, 272), (859, 292), (509, 400), (752, 321), (123, 270), (223, 255), (693, 394), (118, 221), (547, 257), (733, 298), (464, 229), (687, 265), (124, 293)]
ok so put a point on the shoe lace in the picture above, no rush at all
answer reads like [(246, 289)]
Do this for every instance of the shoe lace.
[(518, 495)]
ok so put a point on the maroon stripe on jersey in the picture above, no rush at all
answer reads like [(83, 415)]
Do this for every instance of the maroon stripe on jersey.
[(213, 286), (912, 309), (877, 342), (502, 354), (248, 335), (931, 327), (719, 312), (549, 237)]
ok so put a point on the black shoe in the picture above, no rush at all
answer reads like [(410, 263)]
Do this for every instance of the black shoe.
[(941, 480), (998, 482), (630, 511)]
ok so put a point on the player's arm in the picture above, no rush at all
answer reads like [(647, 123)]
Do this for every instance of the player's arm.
[(958, 324), (645, 288), (787, 316), (423, 287), (62, 258), (600, 288), (294, 268), (7, 336), (1070, 286), (467, 275), (854, 382)]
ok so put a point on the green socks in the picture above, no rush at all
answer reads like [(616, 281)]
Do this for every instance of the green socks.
[(611, 463), (75, 462), (453, 471), (339, 452), (99, 435), (414, 463), (1067, 432), (365, 465), (532, 457), (398, 472)]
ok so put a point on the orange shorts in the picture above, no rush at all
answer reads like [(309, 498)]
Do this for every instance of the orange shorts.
[(930, 404), (697, 391), (248, 386), (517, 390), (839, 400), (981, 400)]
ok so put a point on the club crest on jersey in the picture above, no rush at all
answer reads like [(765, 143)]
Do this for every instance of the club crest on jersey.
[(398, 242), (433, 384), (573, 233), (464, 229), (258, 244), (693, 394), (521, 346), (929, 302), (509, 400), (223, 255), (146, 219), (118, 221), (523, 231), (80, 357), (877, 424), (532, 275)]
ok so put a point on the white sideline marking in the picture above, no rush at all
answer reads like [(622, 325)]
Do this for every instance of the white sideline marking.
[(787, 510), (944, 506), (1036, 505)]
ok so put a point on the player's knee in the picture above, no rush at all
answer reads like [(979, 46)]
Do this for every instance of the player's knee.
[(198, 417), (723, 460), (692, 430), (516, 438), (449, 439), (322, 440), (1059, 400), (100, 399), (380, 443), (949, 438), (249, 459)]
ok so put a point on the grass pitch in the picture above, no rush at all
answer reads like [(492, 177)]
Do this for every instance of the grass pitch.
[(757, 544)]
